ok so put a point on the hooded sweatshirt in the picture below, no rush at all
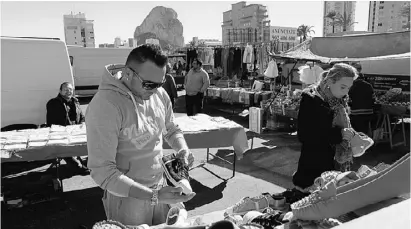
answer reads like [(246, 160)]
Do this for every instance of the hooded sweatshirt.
[(125, 135)]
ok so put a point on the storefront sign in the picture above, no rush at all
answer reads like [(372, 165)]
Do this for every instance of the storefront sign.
[(386, 82), (283, 34)]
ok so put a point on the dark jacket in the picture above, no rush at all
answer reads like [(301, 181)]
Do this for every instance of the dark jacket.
[(170, 87), (317, 136), (362, 97), (64, 113)]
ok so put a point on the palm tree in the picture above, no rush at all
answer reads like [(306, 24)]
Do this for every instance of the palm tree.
[(304, 31), (405, 12), (193, 44), (345, 21), (201, 44), (333, 16)]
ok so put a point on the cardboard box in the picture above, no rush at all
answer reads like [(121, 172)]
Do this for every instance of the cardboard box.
[(255, 119)]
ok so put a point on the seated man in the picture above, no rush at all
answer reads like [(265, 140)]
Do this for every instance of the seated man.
[(65, 110)]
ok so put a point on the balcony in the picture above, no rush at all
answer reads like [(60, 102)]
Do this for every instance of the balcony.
[(227, 24), (262, 16), (247, 16), (262, 8)]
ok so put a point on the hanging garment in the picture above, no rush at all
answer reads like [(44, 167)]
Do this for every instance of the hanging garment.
[(217, 57), (248, 54), (260, 58), (265, 57), (254, 59), (230, 62), (310, 75), (224, 60), (211, 59), (237, 62), (209, 56), (272, 70), (201, 55)]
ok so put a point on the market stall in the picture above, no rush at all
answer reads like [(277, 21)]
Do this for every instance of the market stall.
[(393, 107), (385, 69), (335, 199), (244, 97), (176, 70), (200, 132)]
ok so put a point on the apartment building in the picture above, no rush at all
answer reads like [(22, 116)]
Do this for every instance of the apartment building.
[(132, 42), (245, 23), (384, 16), (78, 30), (342, 8), (118, 43)]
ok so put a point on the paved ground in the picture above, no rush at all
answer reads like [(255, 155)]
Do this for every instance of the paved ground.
[(81, 204)]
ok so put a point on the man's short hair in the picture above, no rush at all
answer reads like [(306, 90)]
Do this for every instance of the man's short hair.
[(64, 84), (146, 52), (199, 62)]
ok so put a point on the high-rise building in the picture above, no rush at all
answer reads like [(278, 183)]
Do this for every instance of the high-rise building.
[(117, 42), (384, 16), (78, 30), (132, 42), (245, 24), (346, 10)]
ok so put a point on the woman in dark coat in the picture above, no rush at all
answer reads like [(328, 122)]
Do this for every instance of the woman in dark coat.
[(324, 127)]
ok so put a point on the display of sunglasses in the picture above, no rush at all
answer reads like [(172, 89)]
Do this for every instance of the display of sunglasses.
[(147, 84)]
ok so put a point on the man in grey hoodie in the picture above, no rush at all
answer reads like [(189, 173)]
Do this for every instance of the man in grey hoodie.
[(126, 122)]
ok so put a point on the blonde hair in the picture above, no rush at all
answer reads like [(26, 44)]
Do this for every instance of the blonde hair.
[(339, 71)]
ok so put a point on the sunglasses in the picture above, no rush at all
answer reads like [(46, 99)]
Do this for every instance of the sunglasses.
[(147, 84)]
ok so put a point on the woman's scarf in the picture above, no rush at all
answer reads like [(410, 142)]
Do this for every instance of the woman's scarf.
[(343, 153)]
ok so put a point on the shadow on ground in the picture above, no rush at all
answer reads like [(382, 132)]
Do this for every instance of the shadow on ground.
[(66, 212), (204, 195)]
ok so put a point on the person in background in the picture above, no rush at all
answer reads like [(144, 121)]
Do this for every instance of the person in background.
[(179, 68), (323, 126), (65, 110), (170, 85), (196, 83), (126, 121), (362, 99)]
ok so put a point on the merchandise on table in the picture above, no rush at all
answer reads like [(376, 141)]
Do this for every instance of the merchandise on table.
[(393, 102), (246, 204), (55, 135), (333, 194), (110, 224), (202, 122), (239, 95), (337, 198)]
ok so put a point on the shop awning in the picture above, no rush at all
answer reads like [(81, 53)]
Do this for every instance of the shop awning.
[(351, 48)]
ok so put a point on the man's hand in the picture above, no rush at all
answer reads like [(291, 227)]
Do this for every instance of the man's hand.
[(173, 195), (187, 156), (348, 133)]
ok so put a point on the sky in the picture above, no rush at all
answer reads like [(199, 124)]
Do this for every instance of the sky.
[(200, 19)]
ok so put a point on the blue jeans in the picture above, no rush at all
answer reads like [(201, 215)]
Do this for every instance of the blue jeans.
[(133, 212)]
